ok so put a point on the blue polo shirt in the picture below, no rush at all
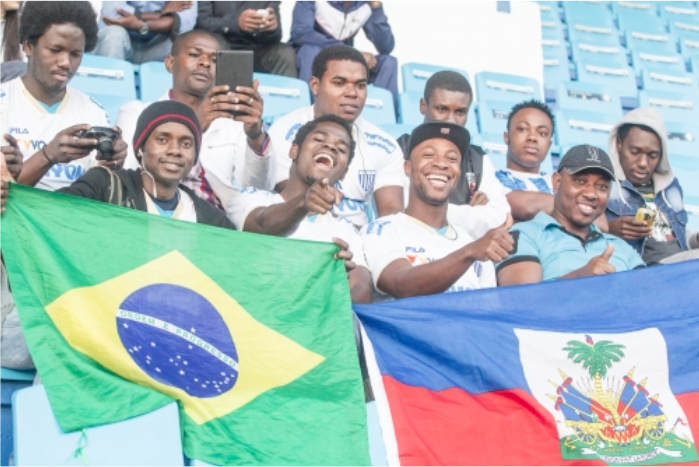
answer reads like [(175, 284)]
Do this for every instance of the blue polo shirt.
[(545, 241)]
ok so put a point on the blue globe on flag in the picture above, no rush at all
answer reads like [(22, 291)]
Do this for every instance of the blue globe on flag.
[(178, 338)]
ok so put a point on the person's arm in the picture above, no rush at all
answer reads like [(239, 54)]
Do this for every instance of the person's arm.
[(224, 25), (389, 200), (523, 272), (526, 205), (401, 279), (302, 27), (184, 18), (523, 266), (378, 31), (94, 184), (361, 289), (272, 33), (279, 219)]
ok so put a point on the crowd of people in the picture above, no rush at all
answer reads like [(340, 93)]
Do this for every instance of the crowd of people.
[(424, 214)]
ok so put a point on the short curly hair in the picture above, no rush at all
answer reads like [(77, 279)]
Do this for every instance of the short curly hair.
[(37, 17), (336, 52), (532, 104), (306, 129)]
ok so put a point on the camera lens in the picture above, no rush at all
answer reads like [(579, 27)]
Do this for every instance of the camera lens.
[(105, 146)]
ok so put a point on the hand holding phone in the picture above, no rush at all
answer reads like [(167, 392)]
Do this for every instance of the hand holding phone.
[(234, 68)]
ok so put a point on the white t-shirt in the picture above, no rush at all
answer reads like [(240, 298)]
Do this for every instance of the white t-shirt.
[(401, 236), (319, 228), (513, 180), (377, 163), (185, 210), (229, 162), (34, 127)]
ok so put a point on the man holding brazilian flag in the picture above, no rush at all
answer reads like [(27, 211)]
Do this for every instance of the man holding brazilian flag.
[(125, 311)]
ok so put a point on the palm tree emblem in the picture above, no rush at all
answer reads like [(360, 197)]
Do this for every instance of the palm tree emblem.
[(597, 358)]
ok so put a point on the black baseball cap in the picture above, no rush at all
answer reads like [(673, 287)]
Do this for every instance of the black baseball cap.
[(585, 157), (442, 130)]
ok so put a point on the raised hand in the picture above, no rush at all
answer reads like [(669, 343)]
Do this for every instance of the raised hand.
[(320, 197), (495, 245)]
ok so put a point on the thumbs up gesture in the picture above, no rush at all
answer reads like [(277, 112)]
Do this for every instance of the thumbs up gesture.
[(599, 265), (495, 245)]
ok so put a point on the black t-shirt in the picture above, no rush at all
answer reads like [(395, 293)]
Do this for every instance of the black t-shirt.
[(662, 242)]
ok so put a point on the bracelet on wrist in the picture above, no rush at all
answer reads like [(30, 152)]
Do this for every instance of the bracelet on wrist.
[(43, 151)]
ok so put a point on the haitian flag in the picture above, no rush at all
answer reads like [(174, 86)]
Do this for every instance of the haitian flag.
[(601, 370), (124, 311)]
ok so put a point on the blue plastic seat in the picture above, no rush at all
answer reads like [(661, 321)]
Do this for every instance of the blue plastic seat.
[(111, 104), (415, 75), (596, 35), (669, 81), (397, 129), (663, 43), (694, 64), (282, 95), (641, 21), (583, 127), (620, 78), (492, 116), (605, 55), (101, 75), (677, 10), (554, 48), (591, 13), (12, 381), (685, 28), (494, 145), (556, 71), (150, 439), (155, 81), (378, 108), (503, 87), (409, 111), (667, 62), (576, 95), (689, 48), (672, 106), (686, 169), (683, 139)]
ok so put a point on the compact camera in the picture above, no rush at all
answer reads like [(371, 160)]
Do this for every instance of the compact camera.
[(106, 137)]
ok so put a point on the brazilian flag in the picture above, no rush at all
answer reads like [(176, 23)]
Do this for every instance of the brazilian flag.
[(125, 311)]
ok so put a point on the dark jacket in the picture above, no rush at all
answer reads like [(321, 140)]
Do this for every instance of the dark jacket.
[(305, 28), (473, 163), (222, 18), (95, 184)]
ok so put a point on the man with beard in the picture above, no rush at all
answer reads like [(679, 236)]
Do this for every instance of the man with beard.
[(566, 244)]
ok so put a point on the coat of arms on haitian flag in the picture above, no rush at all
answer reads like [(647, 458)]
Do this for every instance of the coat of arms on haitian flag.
[(610, 395)]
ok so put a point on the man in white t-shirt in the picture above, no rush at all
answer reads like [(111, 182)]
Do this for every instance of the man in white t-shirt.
[(236, 151), (339, 84), (529, 135), (321, 152), (419, 252), (46, 116)]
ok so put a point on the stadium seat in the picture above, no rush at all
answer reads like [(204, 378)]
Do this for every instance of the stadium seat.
[(111, 104), (493, 144), (685, 28), (663, 43), (503, 87), (668, 62), (595, 35), (690, 50), (677, 10), (675, 81), (586, 96), (694, 64), (415, 75), (378, 108), (12, 381), (620, 78), (150, 439), (620, 8), (683, 139), (155, 81), (672, 106), (282, 95), (556, 71), (583, 127), (590, 13), (101, 75), (604, 55), (641, 21), (397, 129), (492, 116), (686, 169)]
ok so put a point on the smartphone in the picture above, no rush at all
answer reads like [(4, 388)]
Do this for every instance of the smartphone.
[(234, 68), (646, 215), (262, 13)]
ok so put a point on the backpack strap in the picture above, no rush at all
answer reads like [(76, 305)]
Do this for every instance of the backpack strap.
[(116, 189)]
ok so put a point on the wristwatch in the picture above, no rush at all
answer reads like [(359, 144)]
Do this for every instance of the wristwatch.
[(144, 28)]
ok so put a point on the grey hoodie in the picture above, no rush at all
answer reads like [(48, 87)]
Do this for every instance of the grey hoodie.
[(650, 117)]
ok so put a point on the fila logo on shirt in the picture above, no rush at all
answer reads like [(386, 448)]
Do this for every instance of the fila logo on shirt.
[(19, 131), (412, 249)]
